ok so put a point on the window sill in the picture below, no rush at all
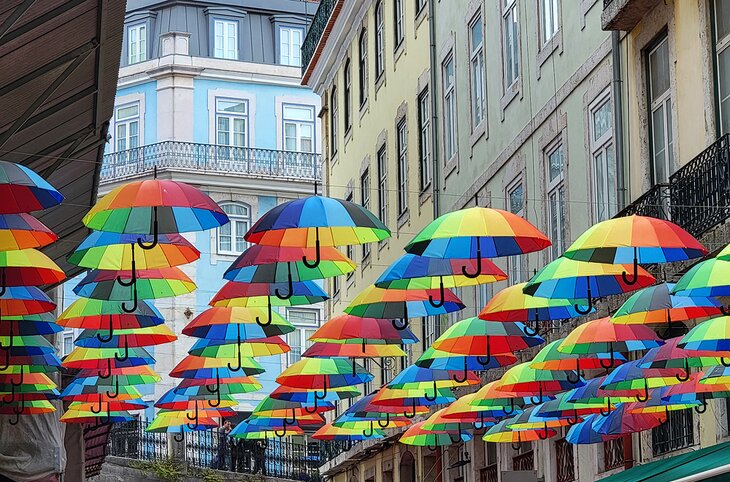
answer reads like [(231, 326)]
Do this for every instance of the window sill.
[(451, 165), (510, 94), (348, 135), (333, 159), (382, 244), (425, 195), (547, 50), (421, 15), (399, 50), (479, 131), (379, 81), (403, 218)]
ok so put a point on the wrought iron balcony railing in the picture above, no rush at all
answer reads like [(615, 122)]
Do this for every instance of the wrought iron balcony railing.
[(212, 159), (698, 195), (316, 30)]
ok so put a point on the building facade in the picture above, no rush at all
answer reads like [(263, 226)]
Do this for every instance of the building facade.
[(209, 93)]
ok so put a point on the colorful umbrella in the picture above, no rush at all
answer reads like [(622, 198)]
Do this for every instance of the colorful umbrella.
[(602, 336), (19, 356), (151, 284), (322, 373), (411, 399), (658, 404), (39, 324), (252, 432), (512, 304), (138, 375), (24, 191), (202, 367), (490, 397), (584, 433), (531, 418), (249, 348), (106, 359), (317, 221), (305, 396), (550, 358), (419, 272), (25, 407), (23, 231), (357, 330), (591, 393), (631, 379), (635, 239), (706, 278), (463, 411), (173, 400), (621, 421), (521, 380), (503, 433), (136, 337), (331, 432), (233, 323), (563, 408), (694, 390), (373, 302), (320, 349), (443, 360), (24, 300), (656, 305), (716, 375), (414, 377), (108, 315), (672, 355), (709, 336), (90, 393), (28, 267), (417, 435), (176, 422)]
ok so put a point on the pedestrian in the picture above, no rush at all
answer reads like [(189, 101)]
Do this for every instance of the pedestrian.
[(221, 461)]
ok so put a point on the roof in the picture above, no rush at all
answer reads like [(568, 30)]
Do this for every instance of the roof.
[(60, 64), (680, 466)]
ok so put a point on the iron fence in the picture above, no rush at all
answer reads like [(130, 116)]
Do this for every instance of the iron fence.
[(655, 203), (524, 461), (677, 433), (565, 461), (613, 453), (488, 474), (316, 30), (210, 158), (131, 440)]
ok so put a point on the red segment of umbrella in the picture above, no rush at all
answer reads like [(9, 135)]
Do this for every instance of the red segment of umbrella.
[(25, 300), (321, 349), (349, 327), (23, 231)]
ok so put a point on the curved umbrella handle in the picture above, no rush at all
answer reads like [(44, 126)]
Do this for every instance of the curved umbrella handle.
[(573, 377), (217, 379), (683, 378), (106, 419), (314, 407), (539, 399), (440, 303), (511, 407), (97, 408), (668, 332), (307, 263), (22, 378), (367, 434), (114, 394), (16, 418), (529, 331), (457, 439), (544, 434), (293, 419), (589, 294), (290, 289), (725, 310), (573, 421), (11, 338), (108, 370), (7, 360), (611, 359), (478, 271), (238, 352), (194, 418), (179, 437), (124, 357), (723, 362), (217, 401), (432, 448), (12, 394), (703, 405), (282, 434), (484, 361), (462, 378), (3, 282), (317, 396), (631, 281), (155, 232), (108, 338), (435, 393), (135, 300), (387, 421), (412, 413), (518, 446), (607, 412), (400, 324), (267, 322), (645, 397)]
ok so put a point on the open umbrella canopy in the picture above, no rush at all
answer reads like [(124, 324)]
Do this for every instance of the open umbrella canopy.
[(323, 373), (317, 221), (602, 336), (147, 336), (118, 252), (202, 367), (562, 407), (100, 315), (47, 390), (357, 330), (263, 294), (550, 358), (657, 403), (320, 349), (41, 324), (412, 398), (277, 408), (709, 336), (463, 410), (512, 304), (443, 360), (234, 323), (277, 264), (331, 432), (73, 416), (365, 409), (373, 302), (175, 421), (477, 233), (249, 348), (24, 300), (631, 379), (671, 355), (233, 385), (656, 305), (411, 271), (280, 422), (525, 381), (27, 407), (173, 400), (247, 431), (566, 278), (100, 358), (415, 377), (150, 284), (489, 396), (21, 355), (138, 375), (706, 278), (693, 391), (90, 393), (109, 386), (591, 394), (23, 231), (24, 191), (532, 418), (46, 363), (716, 375), (504, 433), (437, 421), (306, 396), (155, 206), (95, 408), (28, 267), (36, 342), (37, 378), (621, 421), (476, 337), (369, 423), (418, 435), (584, 433)]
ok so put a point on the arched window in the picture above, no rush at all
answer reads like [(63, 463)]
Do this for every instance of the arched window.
[(230, 236), (379, 40), (407, 467), (333, 120), (363, 66), (348, 96)]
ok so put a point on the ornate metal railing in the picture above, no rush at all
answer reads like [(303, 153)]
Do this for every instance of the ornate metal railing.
[(131, 440), (654, 203), (676, 434), (316, 30), (565, 461), (700, 190), (330, 449), (488, 474), (613, 454), (698, 194), (525, 461), (210, 158)]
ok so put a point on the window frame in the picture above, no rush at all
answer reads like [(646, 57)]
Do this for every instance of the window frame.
[(556, 187), (334, 119), (365, 203), (382, 168), (379, 39), (450, 129), (127, 122), (402, 171), (398, 23), (350, 249), (510, 8), (139, 27), (424, 139), (363, 66), (516, 265), (348, 94), (664, 102), (290, 29), (721, 46), (602, 146), (312, 124), (477, 77), (247, 221), (300, 332), (224, 22), (245, 116), (553, 7)]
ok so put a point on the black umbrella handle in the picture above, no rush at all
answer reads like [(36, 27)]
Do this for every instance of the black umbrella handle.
[(315, 263), (155, 232)]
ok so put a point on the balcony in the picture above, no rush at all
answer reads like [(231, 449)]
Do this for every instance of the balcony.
[(613, 454), (317, 31), (565, 462), (211, 159), (524, 461), (489, 474), (697, 197), (625, 14)]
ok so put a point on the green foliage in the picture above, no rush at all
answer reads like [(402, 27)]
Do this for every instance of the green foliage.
[(166, 469)]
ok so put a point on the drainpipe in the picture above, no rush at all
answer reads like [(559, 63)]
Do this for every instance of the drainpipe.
[(436, 171), (618, 118)]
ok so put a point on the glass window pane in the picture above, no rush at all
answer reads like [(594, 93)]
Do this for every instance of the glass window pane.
[(723, 68), (722, 16), (660, 161), (476, 33), (516, 201), (236, 106), (555, 160), (602, 120), (128, 111), (659, 69), (298, 113)]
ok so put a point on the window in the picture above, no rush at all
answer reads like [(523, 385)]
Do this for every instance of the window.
[(333, 120), (365, 203), (556, 198), (420, 4), (363, 66), (348, 96), (517, 267), (511, 42), (402, 133), (367, 364), (660, 122), (424, 138), (447, 69), (386, 370), (231, 119), (549, 20), (604, 166), (335, 287), (676, 434), (127, 127), (350, 249), (379, 39), (383, 186), (137, 43), (476, 71), (722, 49), (290, 46), (306, 323), (431, 330), (225, 39), (230, 236), (398, 22), (68, 342), (298, 128)]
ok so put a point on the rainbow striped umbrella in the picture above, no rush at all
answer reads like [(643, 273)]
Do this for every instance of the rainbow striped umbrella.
[(707, 278), (249, 348), (317, 221), (693, 390), (492, 398), (247, 431), (591, 394), (462, 410), (331, 432), (673, 355), (28, 267), (631, 379), (550, 358), (566, 278), (418, 435), (709, 336), (584, 433), (410, 399), (25, 300), (521, 380), (39, 324), (504, 433), (91, 393), (23, 231), (306, 396), (415, 377), (443, 360), (151, 284), (361, 331), (321, 349), (621, 421), (107, 358), (323, 373), (21, 357), (25, 407), (201, 367), (234, 323), (124, 338), (531, 418), (571, 411), (24, 191)]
